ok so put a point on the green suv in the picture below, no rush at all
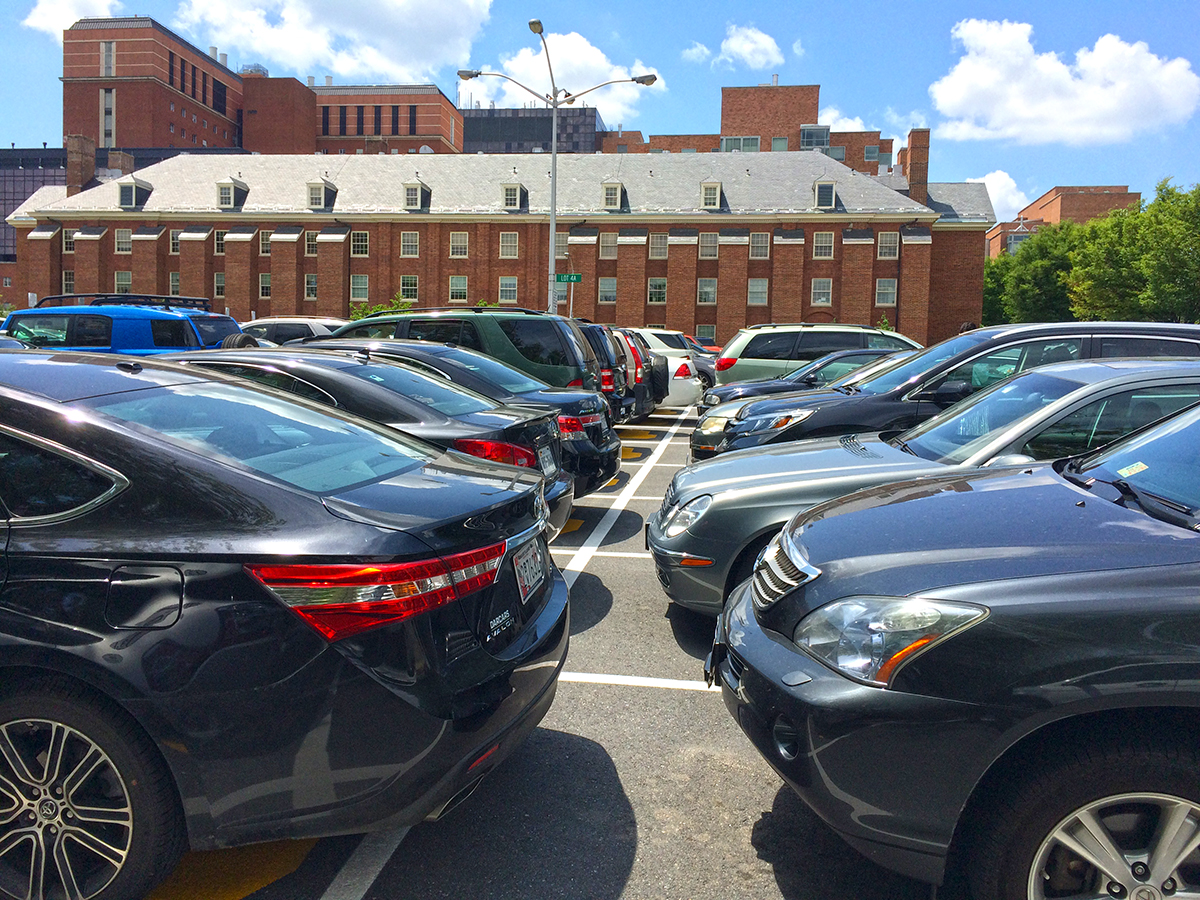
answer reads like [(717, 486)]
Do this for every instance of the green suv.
[(548, 347), (771, 351)]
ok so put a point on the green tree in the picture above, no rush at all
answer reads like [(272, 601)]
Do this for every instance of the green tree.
[(1035, 287), (1106, 281), (396, 304), (1171, 255), (994, 272)]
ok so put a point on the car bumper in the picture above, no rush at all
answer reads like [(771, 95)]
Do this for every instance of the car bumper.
[(694, 580), (889, 771), (704, 446), (593, 466), (560, 497), (683, 392)]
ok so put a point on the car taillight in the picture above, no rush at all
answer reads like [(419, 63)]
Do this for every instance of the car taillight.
[(346, 599), (578, 382), (498, 451), (725, 362), (572, 427), (684, 371), (606, 381), (637, 375)]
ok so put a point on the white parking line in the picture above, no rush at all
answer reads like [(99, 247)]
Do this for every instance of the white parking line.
[(364, 865), (614, 554), (572, 569), (672, 684)]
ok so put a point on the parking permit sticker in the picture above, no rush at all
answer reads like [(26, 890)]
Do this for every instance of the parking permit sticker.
[(1132, 470)]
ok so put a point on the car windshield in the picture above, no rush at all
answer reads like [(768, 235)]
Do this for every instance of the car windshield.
[(214, 329), (498, 373), (671, 339), (958, 432), (1163, 462), (448, 399), (309, 449), (873, 368), (826, 369), (920, 363)]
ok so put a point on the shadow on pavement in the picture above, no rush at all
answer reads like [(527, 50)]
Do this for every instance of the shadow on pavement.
[(590, 602), (552, 821), (693, 631), (810, 860)]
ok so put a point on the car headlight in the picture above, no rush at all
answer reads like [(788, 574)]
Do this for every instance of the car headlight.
[(713, 424), (870, 638), (711, 400), (760, 424), (685, 516)]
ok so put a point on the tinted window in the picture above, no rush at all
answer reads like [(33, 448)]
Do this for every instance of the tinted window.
[(599, 341), (214, 329), (538, 340), (36, 482), (290, 331), (257, 331), (275, 379), (818, 343), (298, 445), (41, 331), (498, 373), (470, 337), (770, 346), (371, 330), (92, 331), (448, 399), (1103, 421), (444, 331), (172, 333), (886, 342), (674, 341), (1146, 346)]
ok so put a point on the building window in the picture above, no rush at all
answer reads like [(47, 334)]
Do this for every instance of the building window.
[(124, 240), (412, 197), (171, 127), (706, 334), (410, 244), (508, 245), (706, 290), (225, 196), (316, 196), (175, 232), (171, 74), (108, 52), (218, 284), (838, 153), (1013, 241), (889, 245), (612, 196), (823, 245), (7, 282), (458, 288), (709, 242), (360, 285), (871, 154), (608, 245), (218, 243), (508, 288), (342, 121), (126, 196), (122, 282), (756, 292), (760, 245), (264, 284), (408, 287), (658, 246), (107, 103), (310, 286), (885, 291), (622, 148), (741, 144), (606, 290), (656, 290), (710, 196), (813, 137), (458, 244), (778, 145), (560, 245), (825, 195), (174, 282), (360, 243), (68, 281), (310, 243), (512, 197), (822, 292), (69, 240)]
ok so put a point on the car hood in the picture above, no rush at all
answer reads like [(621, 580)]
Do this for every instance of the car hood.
[(794, 400), (807, 471)]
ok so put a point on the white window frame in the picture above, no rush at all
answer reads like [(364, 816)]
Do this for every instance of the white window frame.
[(510, 196), (360, 244), (888, 245), (128, 282), (68, 281), (713, 201), (173, 284), (508, 285), (108, 59), (561, 245), (818, 188), (264, 285), (510, 245), (760, 245), (885, 291), (225, 196), (601, 292), (757, 291), (316, 196), (652, 290), (702, 290), (264, 242), (123, 240), (823, 288), (174, 240), (219, 242), (410, 286), (706, 332), (68, 238), (310, 286), (658, 245), (412, 196), (462, 288), (709, 245), (612, 195), (459, 244), (410, 244), (360, 287), (823, 245), (779, 145), (607, 245), (310, 243), (218, 284)]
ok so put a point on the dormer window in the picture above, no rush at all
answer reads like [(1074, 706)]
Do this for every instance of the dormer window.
[(127, 195), (132, 192), (231, 193), (225, 196), (612, 195), (511, 194), (416, 195), (321, 194), (710, 195), (826, 196)]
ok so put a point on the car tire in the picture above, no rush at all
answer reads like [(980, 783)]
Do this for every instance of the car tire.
[(743, 566), (706, 383), (238, 341), (1130, 791), (111, 826)]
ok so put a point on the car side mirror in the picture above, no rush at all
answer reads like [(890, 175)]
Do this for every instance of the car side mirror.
[(946, 394), (1009, 459)]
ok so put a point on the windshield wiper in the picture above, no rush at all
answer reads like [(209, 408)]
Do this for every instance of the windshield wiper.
[(1157, 507), (847, 389), (901, 445)]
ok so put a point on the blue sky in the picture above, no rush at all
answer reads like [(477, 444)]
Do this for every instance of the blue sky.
[(1023, 95)]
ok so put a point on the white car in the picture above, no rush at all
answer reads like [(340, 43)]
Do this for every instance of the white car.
[(281, 329), (686, 387)]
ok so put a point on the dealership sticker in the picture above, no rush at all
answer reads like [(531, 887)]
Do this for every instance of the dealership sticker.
[(1132, 470)]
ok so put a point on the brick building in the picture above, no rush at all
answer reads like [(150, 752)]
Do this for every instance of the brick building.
[(1073, 203), (703, 243)]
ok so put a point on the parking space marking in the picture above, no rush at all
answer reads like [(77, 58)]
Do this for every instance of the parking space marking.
[(364, 865), (615, 554), (580, 560), (673, 684), (232, 873)]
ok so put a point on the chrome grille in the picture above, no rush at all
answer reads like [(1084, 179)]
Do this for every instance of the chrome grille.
[(778, 572), (668, 500), (851, 443)]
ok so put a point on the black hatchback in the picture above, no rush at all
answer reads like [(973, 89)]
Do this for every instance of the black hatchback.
[(401, 397), (329, 629)]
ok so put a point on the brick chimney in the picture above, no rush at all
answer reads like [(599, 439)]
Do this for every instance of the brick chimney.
[(916, 164), (120, 160), (81, 162)]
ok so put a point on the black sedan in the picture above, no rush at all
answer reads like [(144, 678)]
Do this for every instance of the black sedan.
[(329, 628), (818, 373), (591, 448), (1000, 668), (416, 403)]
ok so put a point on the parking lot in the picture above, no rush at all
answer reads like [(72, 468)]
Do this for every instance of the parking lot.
[(637, 784)]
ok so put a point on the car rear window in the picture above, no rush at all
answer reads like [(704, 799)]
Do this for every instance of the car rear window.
[(41, 331), (1146, 346), (447, 398), (172, 333), (291, 331), (777, 345), (214, 329), (672, 340), (36, 482), (295, 444), (538, 340)]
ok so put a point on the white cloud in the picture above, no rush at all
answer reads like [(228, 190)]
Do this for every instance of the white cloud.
[(1007, 198), (832, 116), (797, 47), (395, 40), (905, 122), (752, 48), (577, 66), (1114, 92), (697, 53), (55, 16)]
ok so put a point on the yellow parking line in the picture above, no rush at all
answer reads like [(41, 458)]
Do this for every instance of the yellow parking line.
[(572, 525), (638, 435), (232, 874), (632, 453)]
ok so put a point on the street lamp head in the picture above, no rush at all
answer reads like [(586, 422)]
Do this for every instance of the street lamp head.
[(645, 79), (535, 25), (468, 74)]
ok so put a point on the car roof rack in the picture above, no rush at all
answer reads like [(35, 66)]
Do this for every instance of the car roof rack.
[(201, 303), (459, 309)]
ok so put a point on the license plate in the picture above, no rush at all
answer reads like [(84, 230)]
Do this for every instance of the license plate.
[(546, 458), (529, 568)]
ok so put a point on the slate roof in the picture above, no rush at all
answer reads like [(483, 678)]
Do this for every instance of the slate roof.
[(961, 202)]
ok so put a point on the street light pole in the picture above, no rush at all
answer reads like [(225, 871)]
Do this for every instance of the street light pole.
[(554, 100)]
